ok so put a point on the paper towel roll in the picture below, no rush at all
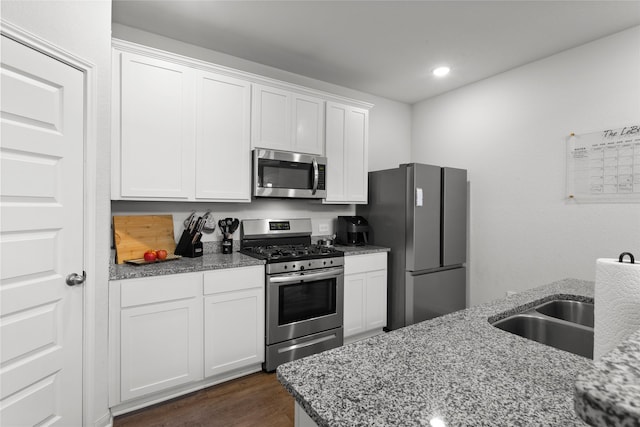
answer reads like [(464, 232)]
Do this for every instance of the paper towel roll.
[(617, 304)]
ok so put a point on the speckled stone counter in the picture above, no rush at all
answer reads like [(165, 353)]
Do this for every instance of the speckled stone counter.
[(456, 368), (608, 394), (209, 261), (361, 250)]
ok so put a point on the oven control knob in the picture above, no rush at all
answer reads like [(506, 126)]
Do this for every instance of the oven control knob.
[(302, 267)]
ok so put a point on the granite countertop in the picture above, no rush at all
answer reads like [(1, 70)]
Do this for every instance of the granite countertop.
[(211, 260), (456, 368), (360, 250), (608, 393), (208, 261)]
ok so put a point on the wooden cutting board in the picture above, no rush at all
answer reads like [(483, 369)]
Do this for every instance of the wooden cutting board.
[(135, 234)]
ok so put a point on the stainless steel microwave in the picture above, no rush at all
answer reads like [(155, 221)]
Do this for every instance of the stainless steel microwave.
[(290, 175)]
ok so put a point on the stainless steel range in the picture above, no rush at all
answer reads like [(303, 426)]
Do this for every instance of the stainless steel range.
[(304, 288)]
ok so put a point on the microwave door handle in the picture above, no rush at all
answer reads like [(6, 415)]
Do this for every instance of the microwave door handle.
[(316, 176)]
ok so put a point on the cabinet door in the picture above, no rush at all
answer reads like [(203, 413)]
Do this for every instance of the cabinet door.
[(161, 346), (308, 124), (234, 330), (347, 153), (354, 304), (223, 152), (376, 299), (156, 128), (335, 152), (357, 155), (271, 118)]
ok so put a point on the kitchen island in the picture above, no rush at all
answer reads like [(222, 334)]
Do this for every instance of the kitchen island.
[(453, 370)]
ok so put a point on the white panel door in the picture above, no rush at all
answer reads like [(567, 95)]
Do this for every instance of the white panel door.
[(41, 239), (156, 134), (223, 146), (355, 286), (308, 124), (271, 118), (234, 330)]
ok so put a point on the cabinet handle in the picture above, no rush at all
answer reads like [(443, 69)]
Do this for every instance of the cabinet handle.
[(316, 176)]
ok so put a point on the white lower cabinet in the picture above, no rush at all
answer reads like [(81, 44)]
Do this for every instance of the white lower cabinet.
[(233, 319), (365, 295), (171, 335), (160, 333)]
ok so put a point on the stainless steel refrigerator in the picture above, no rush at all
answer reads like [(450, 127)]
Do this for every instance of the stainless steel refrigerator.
[(420, 212)]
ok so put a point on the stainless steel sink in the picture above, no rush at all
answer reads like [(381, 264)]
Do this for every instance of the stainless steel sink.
[(571, 311), (565, 325)]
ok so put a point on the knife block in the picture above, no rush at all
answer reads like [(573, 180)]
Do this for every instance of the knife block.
[(194, 250), (187, 248)]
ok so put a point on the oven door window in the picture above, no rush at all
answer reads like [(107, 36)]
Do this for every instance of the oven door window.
[(303, 301), (288, 175)]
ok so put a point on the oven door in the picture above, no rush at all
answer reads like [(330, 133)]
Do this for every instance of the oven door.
[(304, 303), (290, 175)]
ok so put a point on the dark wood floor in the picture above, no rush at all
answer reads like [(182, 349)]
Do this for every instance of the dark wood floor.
[(255, 400)]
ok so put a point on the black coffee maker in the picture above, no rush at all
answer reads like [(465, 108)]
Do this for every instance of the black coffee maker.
[(352, 231)]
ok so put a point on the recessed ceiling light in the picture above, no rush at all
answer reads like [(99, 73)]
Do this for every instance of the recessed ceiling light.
[(441, 71)]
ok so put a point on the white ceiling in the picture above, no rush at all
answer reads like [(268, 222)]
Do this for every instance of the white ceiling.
[(386, 48)]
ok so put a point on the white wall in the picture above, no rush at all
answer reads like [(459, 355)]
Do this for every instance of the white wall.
[(509, 132), (83, 28), (259, 208)]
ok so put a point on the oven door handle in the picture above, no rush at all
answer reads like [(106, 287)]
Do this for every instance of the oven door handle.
[(316, 176), (308, 343), (327, 274)]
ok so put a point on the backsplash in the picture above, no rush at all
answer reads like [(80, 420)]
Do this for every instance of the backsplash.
[(323, 217)]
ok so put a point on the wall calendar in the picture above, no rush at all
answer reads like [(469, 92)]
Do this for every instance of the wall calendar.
[(604, 166)]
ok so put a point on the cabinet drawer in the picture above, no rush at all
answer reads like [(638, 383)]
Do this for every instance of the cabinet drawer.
[(160, 288), (354, 264), (233, 279)]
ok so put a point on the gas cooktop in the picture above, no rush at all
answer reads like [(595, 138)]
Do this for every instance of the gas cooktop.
[(284, 240), (277, 253)]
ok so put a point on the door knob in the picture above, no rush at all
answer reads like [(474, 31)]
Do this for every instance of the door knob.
[(75, 279)]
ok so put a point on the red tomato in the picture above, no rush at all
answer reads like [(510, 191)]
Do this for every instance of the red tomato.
[(150, 256), (161, 254)]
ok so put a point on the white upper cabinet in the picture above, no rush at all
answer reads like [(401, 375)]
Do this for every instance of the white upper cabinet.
[(179, 132), (285, 120), (183, 129), (308, 121), (347, 141), (223, 160), (156, 132), (271, 118)]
